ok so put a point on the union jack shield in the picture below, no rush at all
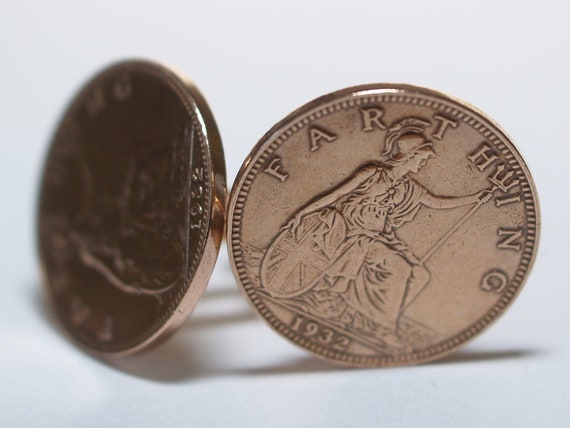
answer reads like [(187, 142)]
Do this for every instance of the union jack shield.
[(297, 259)]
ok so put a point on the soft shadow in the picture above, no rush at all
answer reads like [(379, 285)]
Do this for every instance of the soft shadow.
[(469, 356), (309, 364), (174, 361), (182, 357), (192, 353), (188, 355)]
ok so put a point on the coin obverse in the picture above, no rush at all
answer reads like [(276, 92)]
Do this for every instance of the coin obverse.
[(383, 225), (131, 208)]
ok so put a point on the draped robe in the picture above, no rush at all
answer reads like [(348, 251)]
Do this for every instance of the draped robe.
[(371, 269)]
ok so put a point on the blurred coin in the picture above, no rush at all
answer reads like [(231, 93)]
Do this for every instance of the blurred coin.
[(383, 225), (131, 207)]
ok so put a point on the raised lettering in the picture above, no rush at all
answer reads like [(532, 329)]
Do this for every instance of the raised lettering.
[(198, 174), (196, 209), (317, 135), (511, 240), (79, 311), (320, 334), (509, 199), (122, 87), (503, 180), (197, 192), (444, 123), (483, 157), (297, 323), (95, 101), (341, 343), (196, 225), (371, 117), (326, 335), (275, 169), (105, 334), (495, 280)]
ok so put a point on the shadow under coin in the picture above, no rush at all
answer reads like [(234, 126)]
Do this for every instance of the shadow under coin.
[(191, 357), (194, 352), (469, 356), (186, 355), (309, 364), (199, 351)]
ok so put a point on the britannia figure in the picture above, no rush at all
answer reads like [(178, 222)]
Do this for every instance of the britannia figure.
[(339, 258)]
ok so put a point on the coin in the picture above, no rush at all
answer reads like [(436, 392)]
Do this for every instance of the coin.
[(131, 208), (382, 225)]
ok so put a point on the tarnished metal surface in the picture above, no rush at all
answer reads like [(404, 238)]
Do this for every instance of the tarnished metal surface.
[(383, 225), (131, 207)]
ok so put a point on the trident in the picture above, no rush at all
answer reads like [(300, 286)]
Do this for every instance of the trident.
[(413, 292), (496, 186)]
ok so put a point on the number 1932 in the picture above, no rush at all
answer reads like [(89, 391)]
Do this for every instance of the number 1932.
[(317, 333)]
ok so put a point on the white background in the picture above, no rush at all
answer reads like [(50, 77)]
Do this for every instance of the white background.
[(255, 62)]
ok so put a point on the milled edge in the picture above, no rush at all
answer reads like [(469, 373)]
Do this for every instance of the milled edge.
[(407, 95), (185, 95)]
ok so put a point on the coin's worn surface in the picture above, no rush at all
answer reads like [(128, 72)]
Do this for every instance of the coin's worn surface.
[(383, 225), (131, 208)]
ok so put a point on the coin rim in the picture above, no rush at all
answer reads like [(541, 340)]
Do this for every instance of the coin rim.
[(199, 112), (271, 137)]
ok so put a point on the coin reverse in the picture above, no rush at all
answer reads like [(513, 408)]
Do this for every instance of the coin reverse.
[(383, 225)]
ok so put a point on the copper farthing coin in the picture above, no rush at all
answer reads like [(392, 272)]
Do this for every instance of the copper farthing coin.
[(131, 207), (383, 225)]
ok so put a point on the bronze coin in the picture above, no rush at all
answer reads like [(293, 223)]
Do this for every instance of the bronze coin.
[(383, 225), (131, 207)]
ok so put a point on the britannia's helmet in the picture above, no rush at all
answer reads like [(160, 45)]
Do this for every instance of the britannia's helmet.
[(402, 140)]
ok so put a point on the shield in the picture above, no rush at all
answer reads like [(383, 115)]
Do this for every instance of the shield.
[(297, 259)]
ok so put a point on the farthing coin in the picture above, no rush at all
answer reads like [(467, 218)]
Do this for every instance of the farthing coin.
[(131, 207), (383, 225)]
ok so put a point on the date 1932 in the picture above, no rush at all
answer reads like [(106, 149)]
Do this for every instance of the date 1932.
[(322, 335)]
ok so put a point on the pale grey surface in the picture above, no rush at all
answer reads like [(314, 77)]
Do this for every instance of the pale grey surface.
[(256, 61)]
